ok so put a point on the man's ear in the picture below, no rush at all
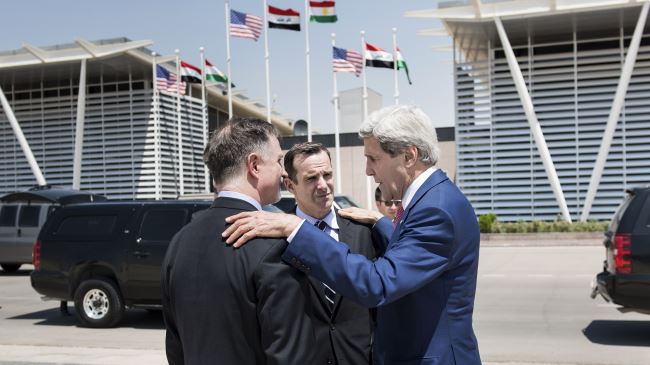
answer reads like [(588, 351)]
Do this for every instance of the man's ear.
[(410, 155), (289, 184), (253, 161)]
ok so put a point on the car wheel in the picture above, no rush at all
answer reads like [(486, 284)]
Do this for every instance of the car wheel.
[(10, 267), (98, 303)]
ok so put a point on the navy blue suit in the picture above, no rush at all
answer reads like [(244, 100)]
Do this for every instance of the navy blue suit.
[(423, 285)]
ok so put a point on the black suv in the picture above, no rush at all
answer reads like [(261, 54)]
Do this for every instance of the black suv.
[(107, 256), (625, 279)]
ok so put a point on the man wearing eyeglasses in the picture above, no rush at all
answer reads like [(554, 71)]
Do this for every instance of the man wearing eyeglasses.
[(424, 283), (387, 208)]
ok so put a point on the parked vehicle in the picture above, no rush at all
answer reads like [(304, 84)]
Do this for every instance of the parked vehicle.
[(288, 202), (625, 279), (107, 256), (22, 214)]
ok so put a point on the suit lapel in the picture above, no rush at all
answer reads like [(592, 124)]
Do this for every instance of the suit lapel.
[(436, 178)]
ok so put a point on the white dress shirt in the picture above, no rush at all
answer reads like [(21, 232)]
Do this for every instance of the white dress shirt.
[(240, 196)]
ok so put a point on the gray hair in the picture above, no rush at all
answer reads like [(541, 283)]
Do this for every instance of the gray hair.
[(399, 126), (225, 154)]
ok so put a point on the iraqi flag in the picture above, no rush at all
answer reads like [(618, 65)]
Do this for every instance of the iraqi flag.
[(284, 19), (322, 12), (190, 73), (377, 57)]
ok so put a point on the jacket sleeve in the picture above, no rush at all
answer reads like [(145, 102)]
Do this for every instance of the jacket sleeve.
[(381, 232), (173, 345), (283, 310), (418, 255)]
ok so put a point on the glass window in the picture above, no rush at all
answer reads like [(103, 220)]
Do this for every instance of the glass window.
[(8, 215), (98, 226), (29, 216), (162, 225)]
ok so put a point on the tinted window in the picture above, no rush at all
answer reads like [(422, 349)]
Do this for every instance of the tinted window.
[(97, 226), (344, 202), (8, 215), (616, 220), (162, 225), (29, 215)]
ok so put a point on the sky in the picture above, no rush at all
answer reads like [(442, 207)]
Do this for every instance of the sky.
[(190, 24)]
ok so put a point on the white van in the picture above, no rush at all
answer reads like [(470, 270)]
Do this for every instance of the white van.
[(20, 224), (22, 214)]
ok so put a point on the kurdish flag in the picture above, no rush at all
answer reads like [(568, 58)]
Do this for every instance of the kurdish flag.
[(401, 64), (214, 74), (322, 12)]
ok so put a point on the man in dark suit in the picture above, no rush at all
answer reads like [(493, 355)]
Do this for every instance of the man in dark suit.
[(424, 283), (343, 328), (226, 306)]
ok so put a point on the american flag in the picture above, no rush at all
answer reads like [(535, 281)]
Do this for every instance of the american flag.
[(346, 60), (166, 81), (244, 25)]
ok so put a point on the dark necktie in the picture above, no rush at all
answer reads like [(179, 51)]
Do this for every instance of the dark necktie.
[(330, 294)]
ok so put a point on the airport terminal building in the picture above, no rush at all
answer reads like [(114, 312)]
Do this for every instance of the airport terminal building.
[(130, 131), (552, 104)]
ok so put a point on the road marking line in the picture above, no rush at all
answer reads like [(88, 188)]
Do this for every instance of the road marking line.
[(493, 276), (540, 275)]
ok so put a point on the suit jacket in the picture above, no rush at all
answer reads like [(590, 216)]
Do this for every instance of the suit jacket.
[(233, 306), (423, 285), (344, 333)]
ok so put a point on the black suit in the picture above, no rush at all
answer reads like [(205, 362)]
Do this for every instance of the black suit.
[(233, 306), (344, 333)]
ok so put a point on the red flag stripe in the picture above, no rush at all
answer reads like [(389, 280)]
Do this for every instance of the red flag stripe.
[(288, 12), (187, 65), (322, 4), (371, 47)]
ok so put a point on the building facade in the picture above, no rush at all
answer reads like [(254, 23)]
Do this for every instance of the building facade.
[(571, 56), (138, 142)]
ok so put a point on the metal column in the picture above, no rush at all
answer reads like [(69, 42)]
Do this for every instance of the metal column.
[(615, 112), (79, 132), (535, 128), (40, 179)]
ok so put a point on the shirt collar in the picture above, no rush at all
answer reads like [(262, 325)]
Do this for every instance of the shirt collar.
[(240, 196), (415, 186), (330, 218)]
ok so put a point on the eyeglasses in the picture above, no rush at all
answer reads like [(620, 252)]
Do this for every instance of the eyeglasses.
[(388, 203)]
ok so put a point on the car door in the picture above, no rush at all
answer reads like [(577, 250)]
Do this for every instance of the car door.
[(640, 250), (145, 254), (8, 233), (29, 220)]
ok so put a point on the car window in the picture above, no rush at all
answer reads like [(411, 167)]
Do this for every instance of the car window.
[(8, 215), (87, 227), (28, 216), (162, 225), (616, 220), (344, 202)]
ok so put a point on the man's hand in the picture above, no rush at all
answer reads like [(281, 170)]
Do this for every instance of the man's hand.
[(361, 215), (248, 225)]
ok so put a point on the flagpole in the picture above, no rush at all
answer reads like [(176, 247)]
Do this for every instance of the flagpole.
[(266, 62), (181, 185), (156, 131), (337, 141), (204, 115), (395, 66), (227, 4), (369, 197), (307, 20)]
